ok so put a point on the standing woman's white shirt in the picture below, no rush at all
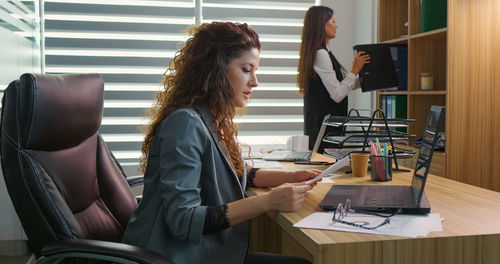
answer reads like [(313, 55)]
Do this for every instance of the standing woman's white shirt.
[(324, 68)]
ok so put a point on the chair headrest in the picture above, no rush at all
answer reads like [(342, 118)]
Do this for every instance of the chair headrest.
[(59, 111)]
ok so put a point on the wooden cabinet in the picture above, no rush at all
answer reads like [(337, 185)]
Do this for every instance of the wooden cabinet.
[(464, 58), (399, 23), (473, 100)]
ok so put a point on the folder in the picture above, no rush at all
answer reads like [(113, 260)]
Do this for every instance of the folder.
[(432, 14)]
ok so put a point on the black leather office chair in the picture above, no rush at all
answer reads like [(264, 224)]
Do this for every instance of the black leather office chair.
[(68, 190)]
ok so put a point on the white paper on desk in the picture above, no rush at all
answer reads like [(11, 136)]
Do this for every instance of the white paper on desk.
[(333, 168), (264, 164), (328, 179), (400, 225)]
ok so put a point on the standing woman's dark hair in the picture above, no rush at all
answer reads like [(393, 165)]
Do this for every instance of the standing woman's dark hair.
[(313, 38), (197, 74)]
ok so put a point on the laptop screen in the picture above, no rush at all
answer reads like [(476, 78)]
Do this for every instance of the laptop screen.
[(321, 132), (429, 140)]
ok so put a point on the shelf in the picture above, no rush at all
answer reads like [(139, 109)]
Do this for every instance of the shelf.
[(435, 92), (434, 34), (401, 40), (438, 33)]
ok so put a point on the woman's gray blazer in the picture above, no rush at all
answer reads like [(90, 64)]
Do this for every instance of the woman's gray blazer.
[(186, 172)]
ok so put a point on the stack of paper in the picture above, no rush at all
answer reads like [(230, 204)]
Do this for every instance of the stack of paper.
[(400, 225)]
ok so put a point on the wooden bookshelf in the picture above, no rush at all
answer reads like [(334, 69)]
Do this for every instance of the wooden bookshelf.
[(399, 23), (464, 59)]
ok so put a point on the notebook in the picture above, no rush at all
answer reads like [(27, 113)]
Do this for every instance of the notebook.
[(306, 156), (406, 199)]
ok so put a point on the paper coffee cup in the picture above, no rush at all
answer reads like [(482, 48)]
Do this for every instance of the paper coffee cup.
[(359, 164)]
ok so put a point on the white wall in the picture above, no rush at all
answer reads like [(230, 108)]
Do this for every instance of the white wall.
[(356, 25), (18, 55)]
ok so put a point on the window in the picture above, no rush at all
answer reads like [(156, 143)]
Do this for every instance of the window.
[(131, 42)]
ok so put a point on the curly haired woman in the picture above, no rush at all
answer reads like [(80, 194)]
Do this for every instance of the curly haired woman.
[(193, 208)]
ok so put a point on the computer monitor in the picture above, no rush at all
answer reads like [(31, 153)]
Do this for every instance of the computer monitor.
[(381, 72)]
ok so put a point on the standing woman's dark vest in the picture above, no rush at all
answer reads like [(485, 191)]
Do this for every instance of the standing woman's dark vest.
[(317, 104)]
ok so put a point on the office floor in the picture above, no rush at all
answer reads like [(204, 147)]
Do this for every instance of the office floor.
[(17, 260)]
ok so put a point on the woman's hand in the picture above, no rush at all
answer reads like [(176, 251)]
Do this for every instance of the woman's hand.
[(305, 175), (359, 61), (287, 197), (302, 176)]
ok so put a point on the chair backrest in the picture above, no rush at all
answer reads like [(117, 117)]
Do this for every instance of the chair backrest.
[(63, 180)]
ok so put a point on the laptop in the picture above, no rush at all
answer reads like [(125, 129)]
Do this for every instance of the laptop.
[(380, 73), (303, 156), (391, 198)]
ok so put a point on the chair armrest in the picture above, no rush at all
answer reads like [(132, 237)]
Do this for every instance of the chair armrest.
[(135, 180), (103, 250)]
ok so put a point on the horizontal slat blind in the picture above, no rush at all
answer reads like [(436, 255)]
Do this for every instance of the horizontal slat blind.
[(130, 43), (275, 110)]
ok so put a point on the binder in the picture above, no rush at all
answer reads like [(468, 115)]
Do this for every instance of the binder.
[(388, 113), (432, 14), (380, 72), (401, 110), (399, 55)]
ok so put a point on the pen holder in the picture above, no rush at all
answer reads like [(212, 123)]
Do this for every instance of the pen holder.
[(381, 168)]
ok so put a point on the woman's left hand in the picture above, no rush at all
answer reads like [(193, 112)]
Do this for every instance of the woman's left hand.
[(305, 175), (359, 61)]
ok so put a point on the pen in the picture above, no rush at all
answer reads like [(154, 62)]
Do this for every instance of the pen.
[(312, 162), (380, 161), (378, 145), (386, 152)]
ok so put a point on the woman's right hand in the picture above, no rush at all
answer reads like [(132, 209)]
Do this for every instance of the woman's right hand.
[(287, 197), (359, 61)]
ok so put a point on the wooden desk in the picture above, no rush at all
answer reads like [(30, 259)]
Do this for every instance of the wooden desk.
[(471, 229)]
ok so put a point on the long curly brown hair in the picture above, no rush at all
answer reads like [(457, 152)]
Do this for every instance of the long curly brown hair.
[(197, 75), (313, 38)]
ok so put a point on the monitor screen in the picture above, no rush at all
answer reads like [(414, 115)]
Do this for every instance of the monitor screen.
[(381, 72)]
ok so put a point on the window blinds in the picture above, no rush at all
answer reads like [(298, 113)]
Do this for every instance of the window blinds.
[(131, 42)]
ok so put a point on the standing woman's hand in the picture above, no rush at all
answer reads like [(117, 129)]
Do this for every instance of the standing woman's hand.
[(359, 61)]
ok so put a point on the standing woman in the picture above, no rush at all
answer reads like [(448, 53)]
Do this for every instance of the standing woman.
[(322, 81), (193, 208)]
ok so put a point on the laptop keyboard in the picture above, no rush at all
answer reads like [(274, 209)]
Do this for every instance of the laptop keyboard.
[(337, 154), (298, 156), (377, 196)]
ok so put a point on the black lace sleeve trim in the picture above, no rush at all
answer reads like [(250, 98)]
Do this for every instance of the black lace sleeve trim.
[(251, 177), (216, 219)]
